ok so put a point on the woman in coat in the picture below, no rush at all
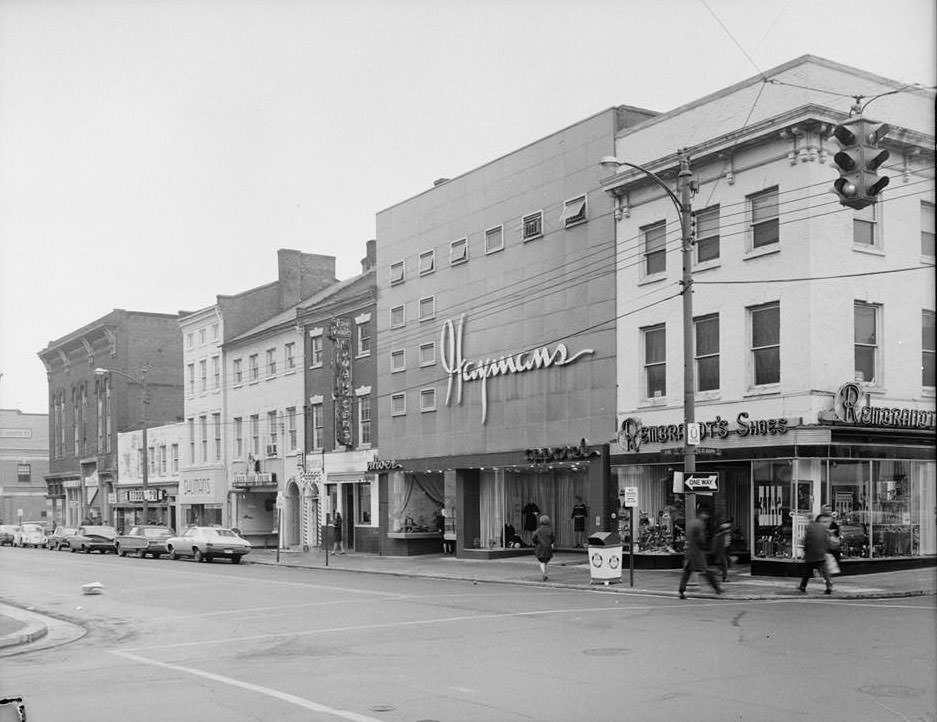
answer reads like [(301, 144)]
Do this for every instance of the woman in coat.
[(544, 539)]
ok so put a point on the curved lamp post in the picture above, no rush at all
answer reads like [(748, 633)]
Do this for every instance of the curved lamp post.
[(685, 185), (141, 382)]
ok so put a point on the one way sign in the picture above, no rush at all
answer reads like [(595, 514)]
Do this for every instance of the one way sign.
[(698, 482)]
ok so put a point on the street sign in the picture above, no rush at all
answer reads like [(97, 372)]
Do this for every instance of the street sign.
[(699, 482), (630, 497), (693, 434)]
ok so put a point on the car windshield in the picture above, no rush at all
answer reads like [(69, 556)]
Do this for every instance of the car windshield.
[(32, 527)]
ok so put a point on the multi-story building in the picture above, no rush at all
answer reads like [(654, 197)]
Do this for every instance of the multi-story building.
[(496, 346), (24, 462), (97, 377), (812, 324), (205, 489), (164, 444), (341, 426)]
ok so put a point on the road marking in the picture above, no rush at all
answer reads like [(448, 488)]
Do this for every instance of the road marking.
[(250, 687)]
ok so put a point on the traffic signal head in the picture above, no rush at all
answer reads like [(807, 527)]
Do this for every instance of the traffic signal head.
[(858, 184)]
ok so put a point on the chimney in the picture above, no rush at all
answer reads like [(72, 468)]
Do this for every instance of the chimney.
[(302, 274), (370, 258)]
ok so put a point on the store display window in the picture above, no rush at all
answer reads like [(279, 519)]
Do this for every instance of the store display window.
[(416, 500)]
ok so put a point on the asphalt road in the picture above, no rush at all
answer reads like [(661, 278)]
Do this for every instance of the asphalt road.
[(187, 641)]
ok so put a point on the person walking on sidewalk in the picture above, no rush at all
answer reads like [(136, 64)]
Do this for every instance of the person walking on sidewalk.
[(816, 546), (338, 544), (580, 512), (695, 554), (543, 539)]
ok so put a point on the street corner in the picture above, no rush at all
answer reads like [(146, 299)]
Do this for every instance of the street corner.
[(20, 626)]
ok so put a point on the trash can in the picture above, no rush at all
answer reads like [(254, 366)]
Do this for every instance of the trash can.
[(604, 557)]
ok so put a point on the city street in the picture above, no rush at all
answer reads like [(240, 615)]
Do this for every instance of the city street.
[(181, 640)]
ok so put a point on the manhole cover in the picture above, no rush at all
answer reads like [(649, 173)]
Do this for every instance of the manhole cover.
[(383, 708), (890, 690), (607, 652)]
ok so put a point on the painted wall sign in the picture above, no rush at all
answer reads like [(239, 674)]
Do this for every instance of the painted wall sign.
[(851, 406), (461, 370), (633, 433), (560, 453), (383, 465), (198, 487)]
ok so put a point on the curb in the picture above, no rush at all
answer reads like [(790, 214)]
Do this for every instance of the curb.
[(30, 633), (617, 588)]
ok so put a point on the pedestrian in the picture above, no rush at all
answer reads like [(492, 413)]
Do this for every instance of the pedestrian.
[(835, 541), (695, 554), (530, 514), (721, 540), (816, 546), (580, 512), (338, 544), (543, 540)]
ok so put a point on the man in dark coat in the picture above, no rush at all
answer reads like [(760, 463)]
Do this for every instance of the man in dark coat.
[(695, 555), (816, 545)]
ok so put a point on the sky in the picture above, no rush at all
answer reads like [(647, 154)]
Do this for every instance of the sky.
[(155, 154)]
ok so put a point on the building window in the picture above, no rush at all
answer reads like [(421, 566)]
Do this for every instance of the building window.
[(162, 460), (24, 473), (533, 226), (238, 438), (174, 455), (427, 262), (238, 372), (216, 424), (271, 362), (397, 317), (864, 230), (203, 438), (203, 375), (315, 352), (766, 344), (927, 349), (364, 338), (428, 353), (255, 435), (201, 337), (289, 354), (396, 273), (655, 248), (151, 460), (363, 503), (316, 424), (707, 234), (927, 229), (427, 400), (866, 342), (398, 360), (458, 251), (272, 437), (253, 367), (763, 217), (427, 308), (655, 361), (216, 372), (192, 441), (190, 369), (574, 211), (707, 352), (214, 332), (291, 427), (189, 340), (494, 239), (364, 420), (398, 404)]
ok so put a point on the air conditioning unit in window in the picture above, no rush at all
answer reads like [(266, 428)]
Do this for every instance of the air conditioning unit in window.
[(271, 449)]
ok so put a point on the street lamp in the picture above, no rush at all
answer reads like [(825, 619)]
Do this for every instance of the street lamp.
[(141, 382), (685, 185)]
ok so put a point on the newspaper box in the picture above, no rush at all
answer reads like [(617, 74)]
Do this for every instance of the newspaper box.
[(604, 557)]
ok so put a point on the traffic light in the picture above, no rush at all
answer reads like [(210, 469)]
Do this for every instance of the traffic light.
[(859, 184)]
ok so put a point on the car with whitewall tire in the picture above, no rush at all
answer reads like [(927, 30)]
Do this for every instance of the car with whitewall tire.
[(204, 543)]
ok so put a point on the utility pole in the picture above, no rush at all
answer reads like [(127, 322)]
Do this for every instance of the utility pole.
[(685, 186), (146, 449)]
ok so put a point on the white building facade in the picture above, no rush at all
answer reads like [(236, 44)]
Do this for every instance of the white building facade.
[(164, 448), (813, 324)]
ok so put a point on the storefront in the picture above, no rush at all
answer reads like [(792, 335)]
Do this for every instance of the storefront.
[(876, 471), (350, 487), (254, 507), (491, 508), (201, 497), (126, 504)]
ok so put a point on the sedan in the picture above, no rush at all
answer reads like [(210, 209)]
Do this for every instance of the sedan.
[(8, 533), (30, 535), (58, 539), (93, 539), (143, 540), (204, 543)]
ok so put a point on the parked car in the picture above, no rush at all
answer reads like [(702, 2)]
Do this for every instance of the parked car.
[(30, 534), (8, 533), (93, 539), (204, 543), (58, 539), (142, 540)]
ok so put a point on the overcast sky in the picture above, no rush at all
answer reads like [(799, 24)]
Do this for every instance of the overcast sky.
[(155, 154)]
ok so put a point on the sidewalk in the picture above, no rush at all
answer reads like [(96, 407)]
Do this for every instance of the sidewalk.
[(571, 570)]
